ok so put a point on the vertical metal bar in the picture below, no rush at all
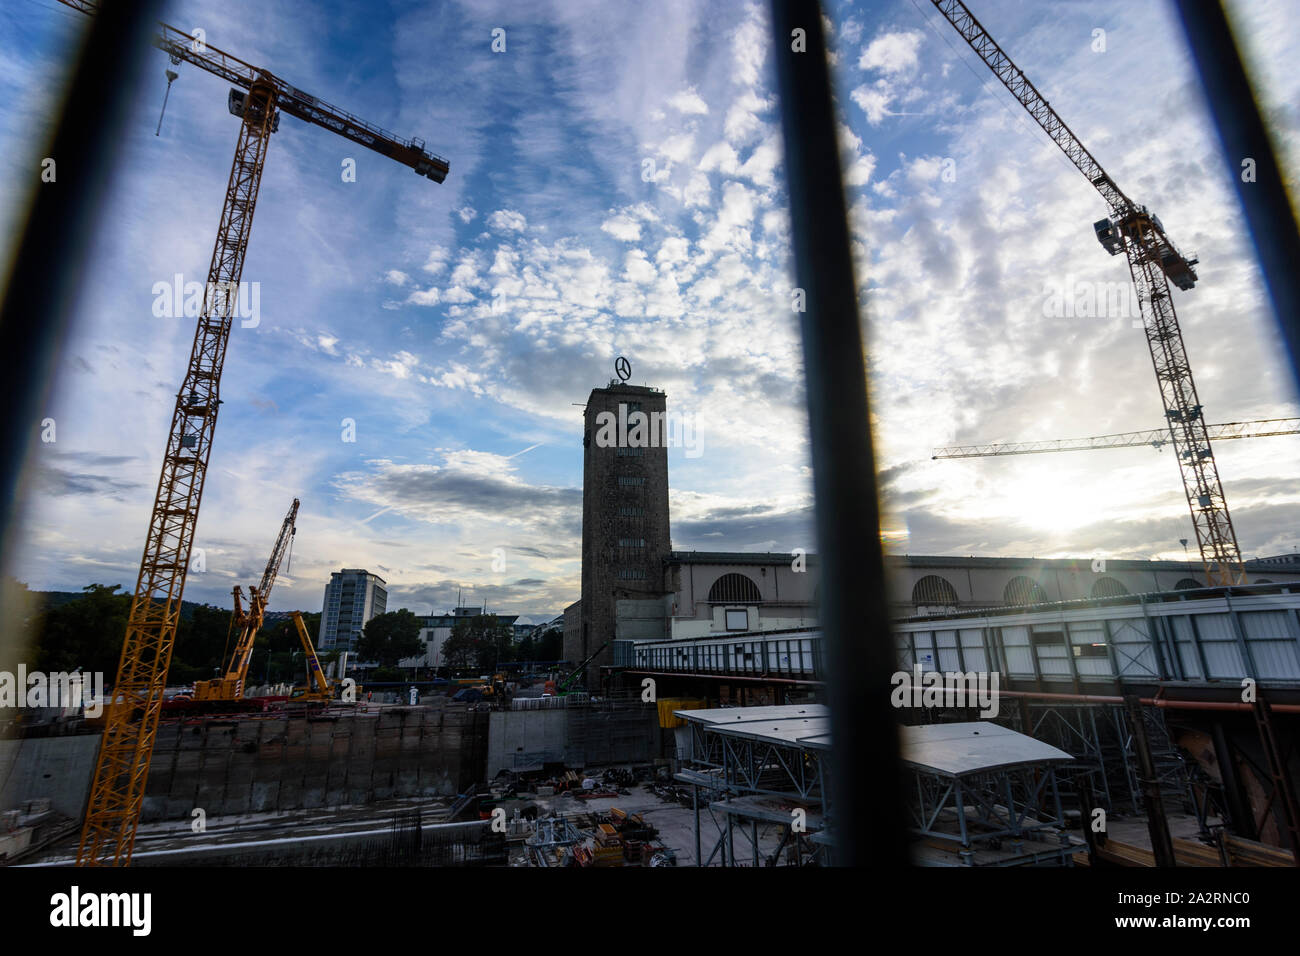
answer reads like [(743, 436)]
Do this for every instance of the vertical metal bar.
[(1196, 645), (1069, 655), (1110, 651), (42, 279), (1243, 645), (1243, 136), (695, 803), (1242, 821), (855, 602), (1101, 763), (1162, 847)]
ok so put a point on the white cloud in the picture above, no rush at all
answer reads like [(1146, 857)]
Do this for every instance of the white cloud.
[(437, 260), (677, 148), (507, 220), (873, 101), (622, 227), (429, 296), (697, 192), (396, 277), (467, 213), (720, 157), (891, 52), (690, 102), (637, 268)]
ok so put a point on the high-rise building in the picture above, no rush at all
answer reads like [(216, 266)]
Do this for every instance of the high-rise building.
[(624, 512), (352, 597)]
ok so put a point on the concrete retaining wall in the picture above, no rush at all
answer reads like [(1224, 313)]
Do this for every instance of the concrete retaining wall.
[(297, 763), (56, 767), (574, 736)]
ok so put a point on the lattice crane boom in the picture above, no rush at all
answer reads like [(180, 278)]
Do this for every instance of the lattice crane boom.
[(1153, 262), (131, 723), (182, 47), (230, 686), (1155, 437)]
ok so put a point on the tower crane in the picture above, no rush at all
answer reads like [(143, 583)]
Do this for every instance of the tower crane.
[(1154, 262), (1157, 438), (257, 99), (230, 686)]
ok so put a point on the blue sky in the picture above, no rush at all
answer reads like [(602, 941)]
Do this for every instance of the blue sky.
[(616, 187)]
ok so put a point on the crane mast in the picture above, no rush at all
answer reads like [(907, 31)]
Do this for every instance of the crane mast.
[(1153, 262), (122, 768)]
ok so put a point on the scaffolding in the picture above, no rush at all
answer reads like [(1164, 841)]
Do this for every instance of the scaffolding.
[(758, 777), (985, 795)]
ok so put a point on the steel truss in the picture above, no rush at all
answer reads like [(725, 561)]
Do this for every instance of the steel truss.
[(749, 787), (979, 811)]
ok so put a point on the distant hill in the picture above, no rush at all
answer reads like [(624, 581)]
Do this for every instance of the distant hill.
[(48, 599)]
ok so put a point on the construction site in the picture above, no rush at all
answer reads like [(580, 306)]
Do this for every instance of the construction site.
[(713, 709)]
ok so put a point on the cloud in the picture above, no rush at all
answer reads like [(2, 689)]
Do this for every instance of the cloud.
[(622, 227), (690, 102), (469, 489), (874, 101), (507, 220), (891, 52)]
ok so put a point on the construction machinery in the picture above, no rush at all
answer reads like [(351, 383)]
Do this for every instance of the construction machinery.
[(318, 688), (230, 685), (1157, 438), (566, 683), (1154, 262), (258, 99)]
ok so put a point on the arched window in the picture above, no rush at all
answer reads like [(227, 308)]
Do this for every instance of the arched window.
[(1263, 581), (1108, 587), (1188, 584), (734, 589), (932, 590), (1022, 590)]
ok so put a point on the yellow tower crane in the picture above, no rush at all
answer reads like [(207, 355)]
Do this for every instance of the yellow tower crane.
[(117, 790), (1153, 263)]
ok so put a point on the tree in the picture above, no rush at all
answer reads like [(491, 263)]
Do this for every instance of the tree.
[(201, 644), (388, 638), (477, 642), (84, 633), (548, 645)]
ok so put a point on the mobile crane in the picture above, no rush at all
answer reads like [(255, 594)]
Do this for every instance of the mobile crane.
[(318, 689), (230, 685)]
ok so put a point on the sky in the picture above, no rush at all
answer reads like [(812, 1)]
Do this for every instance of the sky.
[(617, 188)]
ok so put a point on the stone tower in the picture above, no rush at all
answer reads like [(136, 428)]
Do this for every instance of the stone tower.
[(624, 512)]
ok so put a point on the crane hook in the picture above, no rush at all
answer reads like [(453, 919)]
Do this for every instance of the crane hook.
[(171, 75)]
